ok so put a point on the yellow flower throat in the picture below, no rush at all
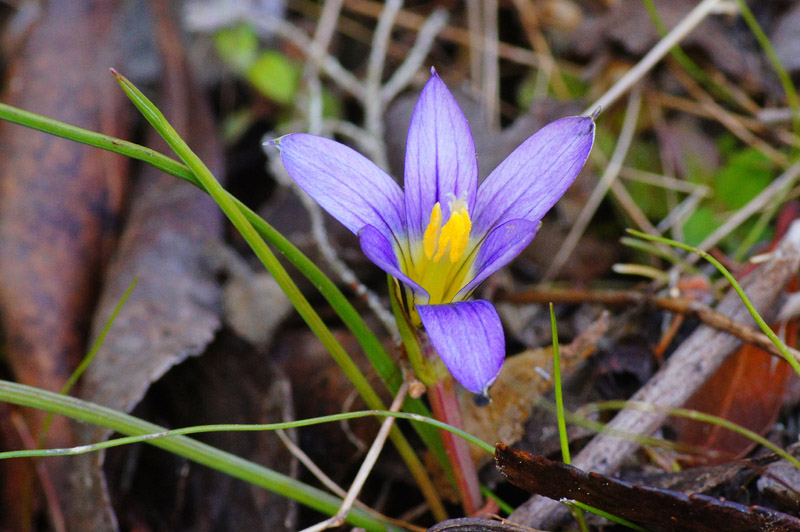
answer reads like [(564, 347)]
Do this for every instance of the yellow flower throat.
[(443, 262)]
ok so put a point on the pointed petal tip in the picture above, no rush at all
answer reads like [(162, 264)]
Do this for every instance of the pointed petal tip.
[(276, 142), (584, 124), (440, 157), (596, 113), (528, 182), (433, 71), (485, 392)]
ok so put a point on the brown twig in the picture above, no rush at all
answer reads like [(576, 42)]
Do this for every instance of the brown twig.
[(730, 120), (683, 306), (530, 25)]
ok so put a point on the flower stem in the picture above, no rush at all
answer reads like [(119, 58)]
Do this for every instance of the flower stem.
[(444, 403)]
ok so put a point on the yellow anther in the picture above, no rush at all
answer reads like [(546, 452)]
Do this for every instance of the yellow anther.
[(431, 239), (454, 235), (459, 236)]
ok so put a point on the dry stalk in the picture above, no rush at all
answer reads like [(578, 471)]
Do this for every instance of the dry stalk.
[(682, 306), (728, 119), (549, 67), (662, 48), (491, 73)]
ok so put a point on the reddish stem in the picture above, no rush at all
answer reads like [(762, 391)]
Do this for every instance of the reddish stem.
[(444, 403)]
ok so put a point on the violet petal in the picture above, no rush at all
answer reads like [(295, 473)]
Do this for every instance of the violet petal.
[(469, 338), (345, 183), (502, 244), (440, 157), (530, 180), (383, 254)]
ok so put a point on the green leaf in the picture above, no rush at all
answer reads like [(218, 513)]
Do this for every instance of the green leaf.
[(274, 76), (699, 225), (746, 173), (237, 46)]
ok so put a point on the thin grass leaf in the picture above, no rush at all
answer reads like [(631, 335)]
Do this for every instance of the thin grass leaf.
[(239, 427), (89, 357), (698, 416), (562, 423), (605, 515)]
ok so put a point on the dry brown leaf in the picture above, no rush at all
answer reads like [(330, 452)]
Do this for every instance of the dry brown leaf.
[(174, 310), (231, 383), (747, 389), (524, 378), (656, 509), (59, 201), (59, 204)]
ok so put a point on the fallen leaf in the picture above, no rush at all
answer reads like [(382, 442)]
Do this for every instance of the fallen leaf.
[(748, 390), (59, 209), (524, 378), (174, 310), (230, 383), (59, 201)]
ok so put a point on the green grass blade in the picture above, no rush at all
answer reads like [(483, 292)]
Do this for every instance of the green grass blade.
[(605, 515), (562, 424), (98, 140), (792, 99), (560, 418), (20, 394), (698, 416), (88, 358), (239, 427), (686, 62)]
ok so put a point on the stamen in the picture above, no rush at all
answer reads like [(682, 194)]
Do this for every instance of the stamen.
[(454, 235), (460, 239), (431, 238)]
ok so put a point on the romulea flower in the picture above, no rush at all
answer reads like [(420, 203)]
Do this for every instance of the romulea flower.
[(443, 235)]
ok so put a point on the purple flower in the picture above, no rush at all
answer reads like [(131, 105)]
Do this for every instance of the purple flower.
[(442, 235)]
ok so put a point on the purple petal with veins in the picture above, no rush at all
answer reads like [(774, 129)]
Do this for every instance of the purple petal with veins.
[(381, 252), (440, 157), (530, 180), (345, 183), (500, 247), (469, 338)]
